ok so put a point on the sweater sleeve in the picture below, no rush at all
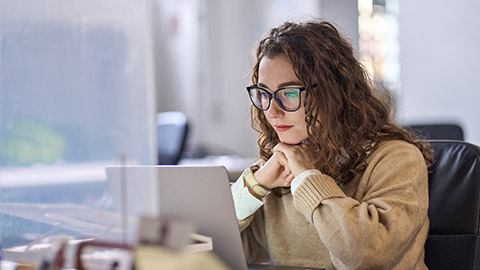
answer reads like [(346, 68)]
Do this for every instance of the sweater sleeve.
[(250, 221), (386, 220)]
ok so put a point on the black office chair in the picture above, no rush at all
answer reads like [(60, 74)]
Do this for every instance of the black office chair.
[(439, 131), (454, 211), (172, 131)]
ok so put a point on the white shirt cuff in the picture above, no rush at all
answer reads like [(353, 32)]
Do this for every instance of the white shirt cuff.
[(300, 178), (245, 203)]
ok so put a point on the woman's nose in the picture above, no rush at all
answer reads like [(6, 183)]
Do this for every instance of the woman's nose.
[(275, 111)]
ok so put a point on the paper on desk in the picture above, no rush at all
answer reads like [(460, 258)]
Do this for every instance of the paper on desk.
[(156, 257)]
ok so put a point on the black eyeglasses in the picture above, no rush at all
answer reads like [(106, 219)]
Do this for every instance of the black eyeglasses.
[(288, 98)]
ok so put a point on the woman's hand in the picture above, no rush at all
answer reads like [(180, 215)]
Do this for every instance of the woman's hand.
[(298, 159), (275, 172)]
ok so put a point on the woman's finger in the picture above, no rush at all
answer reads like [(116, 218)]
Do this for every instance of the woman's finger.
[(286, 170), (281, 147), (282, 159), (288, 180), (296, 155)]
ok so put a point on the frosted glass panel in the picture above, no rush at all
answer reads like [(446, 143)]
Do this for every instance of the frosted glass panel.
[(76, 94)]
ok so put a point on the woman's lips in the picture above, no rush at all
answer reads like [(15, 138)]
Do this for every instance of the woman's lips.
[(281, 128)]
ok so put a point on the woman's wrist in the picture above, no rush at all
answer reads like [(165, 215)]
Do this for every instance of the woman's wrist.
[(259, 176), (254, 187)]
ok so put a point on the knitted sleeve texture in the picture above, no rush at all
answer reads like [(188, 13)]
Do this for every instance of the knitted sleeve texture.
[(378, 225)]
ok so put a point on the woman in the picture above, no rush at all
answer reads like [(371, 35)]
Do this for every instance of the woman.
[(339, 184)]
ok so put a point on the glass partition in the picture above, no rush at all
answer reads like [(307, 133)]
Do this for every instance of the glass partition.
[(76, 95)]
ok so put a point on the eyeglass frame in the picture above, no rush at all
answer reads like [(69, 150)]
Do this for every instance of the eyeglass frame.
[(271, 96)]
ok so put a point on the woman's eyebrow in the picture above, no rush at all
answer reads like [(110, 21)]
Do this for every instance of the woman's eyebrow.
[(284, 84), (262, 85)]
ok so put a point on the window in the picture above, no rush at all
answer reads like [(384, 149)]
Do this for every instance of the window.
[(75, 96)]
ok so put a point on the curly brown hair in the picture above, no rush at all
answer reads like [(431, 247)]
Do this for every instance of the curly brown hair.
[(345, 114)]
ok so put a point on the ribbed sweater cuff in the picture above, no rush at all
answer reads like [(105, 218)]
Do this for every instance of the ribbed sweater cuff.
[(314, 189)]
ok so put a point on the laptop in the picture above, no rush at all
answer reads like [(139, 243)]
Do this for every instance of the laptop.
[(200, 194)]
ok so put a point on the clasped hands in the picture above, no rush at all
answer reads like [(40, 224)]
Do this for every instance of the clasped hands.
[(286, 163)]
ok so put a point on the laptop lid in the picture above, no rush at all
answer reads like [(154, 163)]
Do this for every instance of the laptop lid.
[(200, 194)]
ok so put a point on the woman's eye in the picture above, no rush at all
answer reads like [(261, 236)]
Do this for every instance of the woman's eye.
[(291, 94), (264, 94)]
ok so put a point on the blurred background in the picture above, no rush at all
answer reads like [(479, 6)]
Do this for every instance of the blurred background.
[(422, 52), (85, 84)]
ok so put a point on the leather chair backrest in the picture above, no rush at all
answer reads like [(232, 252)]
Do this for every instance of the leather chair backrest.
[(172, 131), (454, 210), (439, 131)]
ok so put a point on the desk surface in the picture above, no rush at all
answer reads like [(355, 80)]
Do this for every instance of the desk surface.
[(6, 265), (278, 267)]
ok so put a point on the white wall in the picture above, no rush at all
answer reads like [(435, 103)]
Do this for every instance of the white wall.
[(439, 54), (201, 70), (345, 15)]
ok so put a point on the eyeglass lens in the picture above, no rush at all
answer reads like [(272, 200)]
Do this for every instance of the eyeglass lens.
[(287, 99)]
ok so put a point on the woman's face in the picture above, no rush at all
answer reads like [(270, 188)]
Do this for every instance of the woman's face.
[(275, 73)]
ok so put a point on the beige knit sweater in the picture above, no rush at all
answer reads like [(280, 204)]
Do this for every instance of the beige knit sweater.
[(377, 221)]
